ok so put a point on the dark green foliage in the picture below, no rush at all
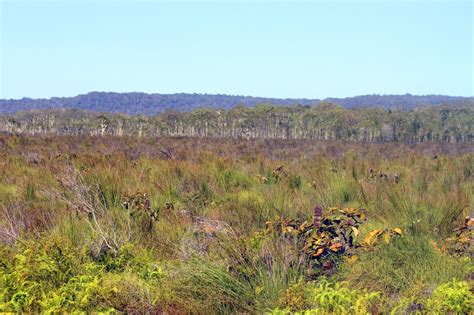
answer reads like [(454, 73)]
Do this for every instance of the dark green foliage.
[(150, 104)]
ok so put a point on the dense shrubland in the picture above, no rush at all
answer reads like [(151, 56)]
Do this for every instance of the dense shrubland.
[(196, 225), (325, 121)]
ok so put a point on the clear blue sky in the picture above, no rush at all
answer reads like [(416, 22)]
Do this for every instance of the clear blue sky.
[(276, 49)]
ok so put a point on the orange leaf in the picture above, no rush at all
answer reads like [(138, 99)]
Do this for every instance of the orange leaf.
[(318, 252), (335, 247), (209, 229)]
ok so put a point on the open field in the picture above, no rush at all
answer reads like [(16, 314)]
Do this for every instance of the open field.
[(184, 225)]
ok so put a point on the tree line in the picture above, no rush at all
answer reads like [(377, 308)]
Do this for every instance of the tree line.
[(324, 121)]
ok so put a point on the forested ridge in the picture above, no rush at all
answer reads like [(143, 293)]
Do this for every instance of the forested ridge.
[(150, 104), (325, 121)]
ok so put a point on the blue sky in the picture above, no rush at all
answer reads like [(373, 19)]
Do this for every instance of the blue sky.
[(262, 48)]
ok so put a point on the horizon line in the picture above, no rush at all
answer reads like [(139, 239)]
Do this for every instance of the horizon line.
[(235, 95)]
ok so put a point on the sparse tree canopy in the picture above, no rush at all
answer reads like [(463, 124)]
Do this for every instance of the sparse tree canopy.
[(325, 121)]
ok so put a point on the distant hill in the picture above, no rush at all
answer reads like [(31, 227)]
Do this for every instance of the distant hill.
[(405, 102), (151, 104)]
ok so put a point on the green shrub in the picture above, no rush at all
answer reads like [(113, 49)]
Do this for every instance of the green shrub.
[(37, 269), (324, 297), (79, 293), (454, 297), (49, 276)]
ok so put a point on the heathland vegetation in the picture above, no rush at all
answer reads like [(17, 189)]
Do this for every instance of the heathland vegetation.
[(202, 225)]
